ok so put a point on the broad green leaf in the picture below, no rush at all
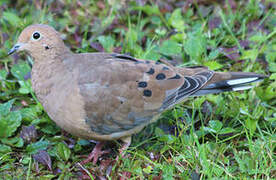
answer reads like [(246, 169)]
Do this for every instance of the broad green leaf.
[(30, 113), (16, 141), (9, 124), (210, 130), (25, 87), (176, 20), (5, 108), (3, 74), (63, 151), (26, 159), (250, 54), (151, 52), (160, 31), (149, 10), (83, 142), (49, 127), (195, 46), (179, 37), (198, 102), (273, 76), (158, 132), (272, 66), (257, 37), (34, 147), (107, 42), (213, 54), (270, 57), (20, 70), (213, 65), (215, 125), (167, 172), (170, 48), (270, 92), (12, 18), (226, 130), (3, 2), (147, 169), (266, 94), (157, 20), (152, 55), (4, 149)]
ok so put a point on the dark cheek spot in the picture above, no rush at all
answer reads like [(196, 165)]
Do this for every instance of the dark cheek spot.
[(47, 47), (160, 76), (147, 93), (142, 84)]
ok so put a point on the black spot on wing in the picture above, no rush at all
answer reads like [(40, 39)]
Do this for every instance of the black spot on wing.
[(151, 71), (147, 93), (142, 84), (160, 76), (177, 76), (165, 68)]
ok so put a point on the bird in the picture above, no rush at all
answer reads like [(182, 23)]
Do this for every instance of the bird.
[(111, 96)]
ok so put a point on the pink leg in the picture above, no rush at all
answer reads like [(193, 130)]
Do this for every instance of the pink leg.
[(96, 153), (127, 142)]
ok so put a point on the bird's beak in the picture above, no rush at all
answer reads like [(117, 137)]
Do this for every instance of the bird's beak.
[(14, 48)]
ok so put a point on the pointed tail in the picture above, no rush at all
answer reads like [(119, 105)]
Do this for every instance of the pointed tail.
[(229, 81)]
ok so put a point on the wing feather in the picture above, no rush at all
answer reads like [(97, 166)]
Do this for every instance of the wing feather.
[(190, 85), (122, 92)]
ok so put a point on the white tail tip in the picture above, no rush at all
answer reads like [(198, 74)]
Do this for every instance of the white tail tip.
[(242, 88), (241, 81)]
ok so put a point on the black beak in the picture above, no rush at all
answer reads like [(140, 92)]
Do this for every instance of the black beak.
[(14, 49)]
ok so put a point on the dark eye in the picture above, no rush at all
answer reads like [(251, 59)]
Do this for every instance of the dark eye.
[(36, 35)]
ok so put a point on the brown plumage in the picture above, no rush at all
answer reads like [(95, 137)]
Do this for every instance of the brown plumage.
[(105, 96)]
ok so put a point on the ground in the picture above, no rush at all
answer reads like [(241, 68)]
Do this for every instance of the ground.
[(225, 136)]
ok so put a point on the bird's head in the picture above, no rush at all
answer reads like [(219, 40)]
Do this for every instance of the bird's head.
[(39, 40)]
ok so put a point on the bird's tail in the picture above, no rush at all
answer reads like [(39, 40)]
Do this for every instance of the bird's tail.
[(229, 81)]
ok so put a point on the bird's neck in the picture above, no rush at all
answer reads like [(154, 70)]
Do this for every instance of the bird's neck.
[(46, 72)]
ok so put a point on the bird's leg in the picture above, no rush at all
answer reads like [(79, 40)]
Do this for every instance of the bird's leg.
[(127, 142), (96, 153)]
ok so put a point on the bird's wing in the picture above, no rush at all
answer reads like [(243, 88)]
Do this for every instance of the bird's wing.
[(121, 92)]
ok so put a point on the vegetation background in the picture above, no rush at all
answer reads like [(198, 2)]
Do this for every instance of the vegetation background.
[(225, 136)]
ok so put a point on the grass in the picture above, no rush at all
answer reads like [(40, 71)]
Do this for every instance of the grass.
[(225, 136)]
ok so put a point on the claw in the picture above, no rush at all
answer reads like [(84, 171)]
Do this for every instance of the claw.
[(127, 142), (95, 154)]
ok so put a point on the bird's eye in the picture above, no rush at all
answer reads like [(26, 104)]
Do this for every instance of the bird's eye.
[(36, 35)]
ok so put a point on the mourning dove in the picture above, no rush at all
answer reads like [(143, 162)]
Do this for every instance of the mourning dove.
[(109, 96)]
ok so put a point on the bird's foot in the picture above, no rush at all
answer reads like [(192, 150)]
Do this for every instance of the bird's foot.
[(95, 154), (127, 142)]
